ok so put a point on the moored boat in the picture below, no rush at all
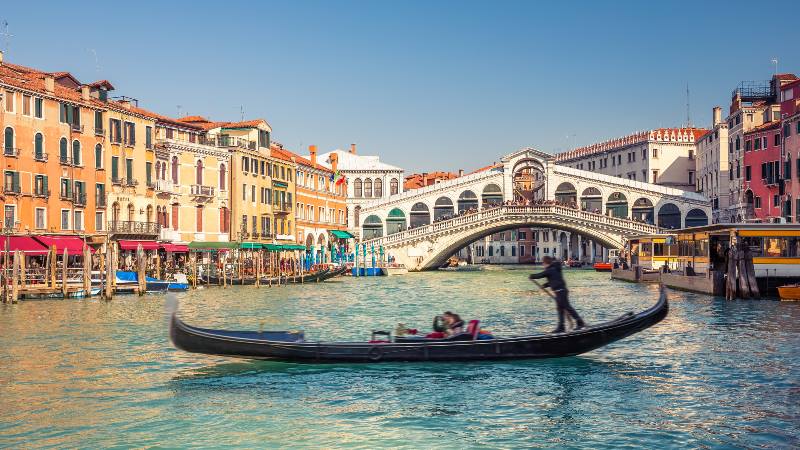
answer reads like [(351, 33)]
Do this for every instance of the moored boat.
[(602, 267), (468, 346), (789, 292), (395, 269)]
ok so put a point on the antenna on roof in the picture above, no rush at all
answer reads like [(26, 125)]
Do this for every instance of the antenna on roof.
[(775, 61), (96, 60), (179, 111), (241, 112), (688, 111), (6, 36)]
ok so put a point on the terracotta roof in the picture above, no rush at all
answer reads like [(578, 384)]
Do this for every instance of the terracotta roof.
[(281, 153), (786, 76), (417, 180), (246, 124), (102, 83), (791, 84), (489, 167), (658, 134), (207, 124), (766, 126)]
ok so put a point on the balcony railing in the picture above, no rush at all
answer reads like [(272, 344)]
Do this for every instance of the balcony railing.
[(11, 151), (100, 202), (41, 193), (282, 208), (76, 127), (41, 157), (79, 199), (166, 186), (130, 182), (134, 227), (117, 181), (230, 141), (12, 190), (202, 191), (244, 235), (99, 131)]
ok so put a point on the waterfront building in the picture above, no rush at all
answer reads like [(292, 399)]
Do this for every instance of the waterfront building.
[(762, 172), (790, 126), (320, 204), (368, 180), (752, 105), (191, 184), (664, 156), (712, 165), (418, 180)]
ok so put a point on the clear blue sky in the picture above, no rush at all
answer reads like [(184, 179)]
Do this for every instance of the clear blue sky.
[(425, 85)]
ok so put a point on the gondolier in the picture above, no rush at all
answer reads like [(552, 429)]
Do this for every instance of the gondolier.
[(555, 281)]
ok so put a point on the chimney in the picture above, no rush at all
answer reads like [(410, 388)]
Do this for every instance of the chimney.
[(49, 83), (85, 92), (717, 115), (334, 161), (125, 104), (312, 150), (424, 179), (1, 57), (460, 172), (352, 149)]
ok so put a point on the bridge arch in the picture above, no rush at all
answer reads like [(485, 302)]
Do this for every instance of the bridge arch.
[(373, 227), (669, 216), (617, 205), (643, 210), (566, 193), (467, 200), (420, 215), (696, 218), (591, 199), (443, 208), (396, 221)]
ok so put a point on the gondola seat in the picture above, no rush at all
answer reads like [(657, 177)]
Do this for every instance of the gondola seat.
[(473, 329)]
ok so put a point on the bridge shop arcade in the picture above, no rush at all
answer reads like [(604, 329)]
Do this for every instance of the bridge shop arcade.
[(699, 259)]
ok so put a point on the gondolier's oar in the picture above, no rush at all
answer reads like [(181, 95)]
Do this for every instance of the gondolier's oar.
[(553, 296)]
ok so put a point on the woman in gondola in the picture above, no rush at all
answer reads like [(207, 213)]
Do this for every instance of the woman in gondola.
[(454, 324)]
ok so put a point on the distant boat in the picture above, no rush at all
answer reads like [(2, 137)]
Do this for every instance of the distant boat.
[(789, 292), (395, 269), (602, 267)]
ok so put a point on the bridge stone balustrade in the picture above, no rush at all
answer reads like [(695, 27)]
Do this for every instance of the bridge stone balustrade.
[(429, 246)]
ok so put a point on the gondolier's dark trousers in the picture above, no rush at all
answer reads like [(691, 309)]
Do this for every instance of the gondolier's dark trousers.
[(563, 306)]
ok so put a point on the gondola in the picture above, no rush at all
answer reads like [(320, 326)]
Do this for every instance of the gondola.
[(309, 277), (291, 346)]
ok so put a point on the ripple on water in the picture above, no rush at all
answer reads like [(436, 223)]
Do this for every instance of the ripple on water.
[(92, 374)]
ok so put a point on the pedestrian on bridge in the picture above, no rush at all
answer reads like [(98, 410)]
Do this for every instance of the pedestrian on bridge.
[(555, 281)]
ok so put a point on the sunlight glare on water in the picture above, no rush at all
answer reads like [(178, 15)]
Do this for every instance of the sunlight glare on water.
[(90, 374)]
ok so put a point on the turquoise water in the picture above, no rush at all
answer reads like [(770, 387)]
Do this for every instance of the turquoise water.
[(89, 374)]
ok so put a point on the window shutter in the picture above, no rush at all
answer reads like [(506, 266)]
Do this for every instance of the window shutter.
[(15, 181), (44, 185)]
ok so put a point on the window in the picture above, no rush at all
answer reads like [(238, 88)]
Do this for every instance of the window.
[(71, 114), (393, 186), (11, 183), (787, 169), (765, 142), (777, 139), (175, 209), (98, 123), (148, 137), (223, 175), (199, 218), (78, 222), (65, 219), (747, 173), (224, 220), (98, 156), (691, 154), (148, 173), (76, 152), (199, 172), (521, 250), (757, 202), (263, 139), (691, 177), (98, 221), (263, 168), (38, 108), (491, 251), (244, 192), (129, 170), (776, 200), (40, 219), (100, 194), (26, 105), (40, 186), (115, 131), (655, 153), (130, 134), (174, 169), (253, 193), (357, 188), (115, 169), (63, 151), (655, 176), (9, 99), (8, 141), (38, 147), (367, 188), (9, 216)]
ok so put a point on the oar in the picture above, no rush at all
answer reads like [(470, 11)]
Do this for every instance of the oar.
[(570, 321)]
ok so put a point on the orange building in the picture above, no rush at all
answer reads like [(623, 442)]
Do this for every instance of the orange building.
[(418, 180), (321, 210)]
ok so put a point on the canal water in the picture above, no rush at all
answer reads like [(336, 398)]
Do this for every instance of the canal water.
[(90, 374)]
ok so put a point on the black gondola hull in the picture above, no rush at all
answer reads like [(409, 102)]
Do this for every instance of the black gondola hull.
[(253, 345)]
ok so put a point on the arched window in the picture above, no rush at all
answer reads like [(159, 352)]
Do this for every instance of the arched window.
[(174, 170), (115, 213), (63, 150), (38, 147), (164, 170), (76, 152), (199, 172), (149, 213), (158, 170), (223, 176), (367, 188), (199, 218), (224, 220), (8, 143), (131, 212), (357, 186), (175, 208), (393, 186), (378, 188), (98, 156)]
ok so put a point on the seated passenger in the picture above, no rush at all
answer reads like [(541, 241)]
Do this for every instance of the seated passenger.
[(453, 323)]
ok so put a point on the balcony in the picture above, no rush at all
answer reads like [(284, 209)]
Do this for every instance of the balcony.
[(65, 161), (41, 193), (11, 151), (100, 201), (79, 199), (166, 186), (230, 141), (12, 190), (243, 235), (116, 181), (99, 131), (283, 208), (130, 227), (202, 191), (40, 157), (76, 127), (130, 182)]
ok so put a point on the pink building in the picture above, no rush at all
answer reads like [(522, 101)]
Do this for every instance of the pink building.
[(762, 172), (790, 119)]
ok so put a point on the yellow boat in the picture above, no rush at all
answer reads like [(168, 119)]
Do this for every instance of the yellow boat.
[(790, 292)]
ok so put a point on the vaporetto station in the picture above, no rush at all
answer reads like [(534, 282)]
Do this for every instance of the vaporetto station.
[(421, 228)]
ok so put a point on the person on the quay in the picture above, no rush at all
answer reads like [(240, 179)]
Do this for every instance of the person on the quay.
[(555, 281)]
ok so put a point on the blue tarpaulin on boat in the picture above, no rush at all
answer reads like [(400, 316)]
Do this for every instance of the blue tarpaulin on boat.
[(124, 275)]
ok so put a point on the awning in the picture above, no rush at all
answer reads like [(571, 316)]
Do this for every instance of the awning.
[(73, 244), (26, 244), (134, 245), (175, 248), (293, 247), (273, 247), (341, 234), (199, 246), (251, 245)]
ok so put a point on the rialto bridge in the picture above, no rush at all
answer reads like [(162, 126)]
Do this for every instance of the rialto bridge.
[(423, 227)]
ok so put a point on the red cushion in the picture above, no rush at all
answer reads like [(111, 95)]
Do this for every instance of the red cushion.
[(473, 328), (435, 335)]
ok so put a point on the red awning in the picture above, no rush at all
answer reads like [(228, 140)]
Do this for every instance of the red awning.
[(26, 244), (175, 248), (133, 245), (73, 244)]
